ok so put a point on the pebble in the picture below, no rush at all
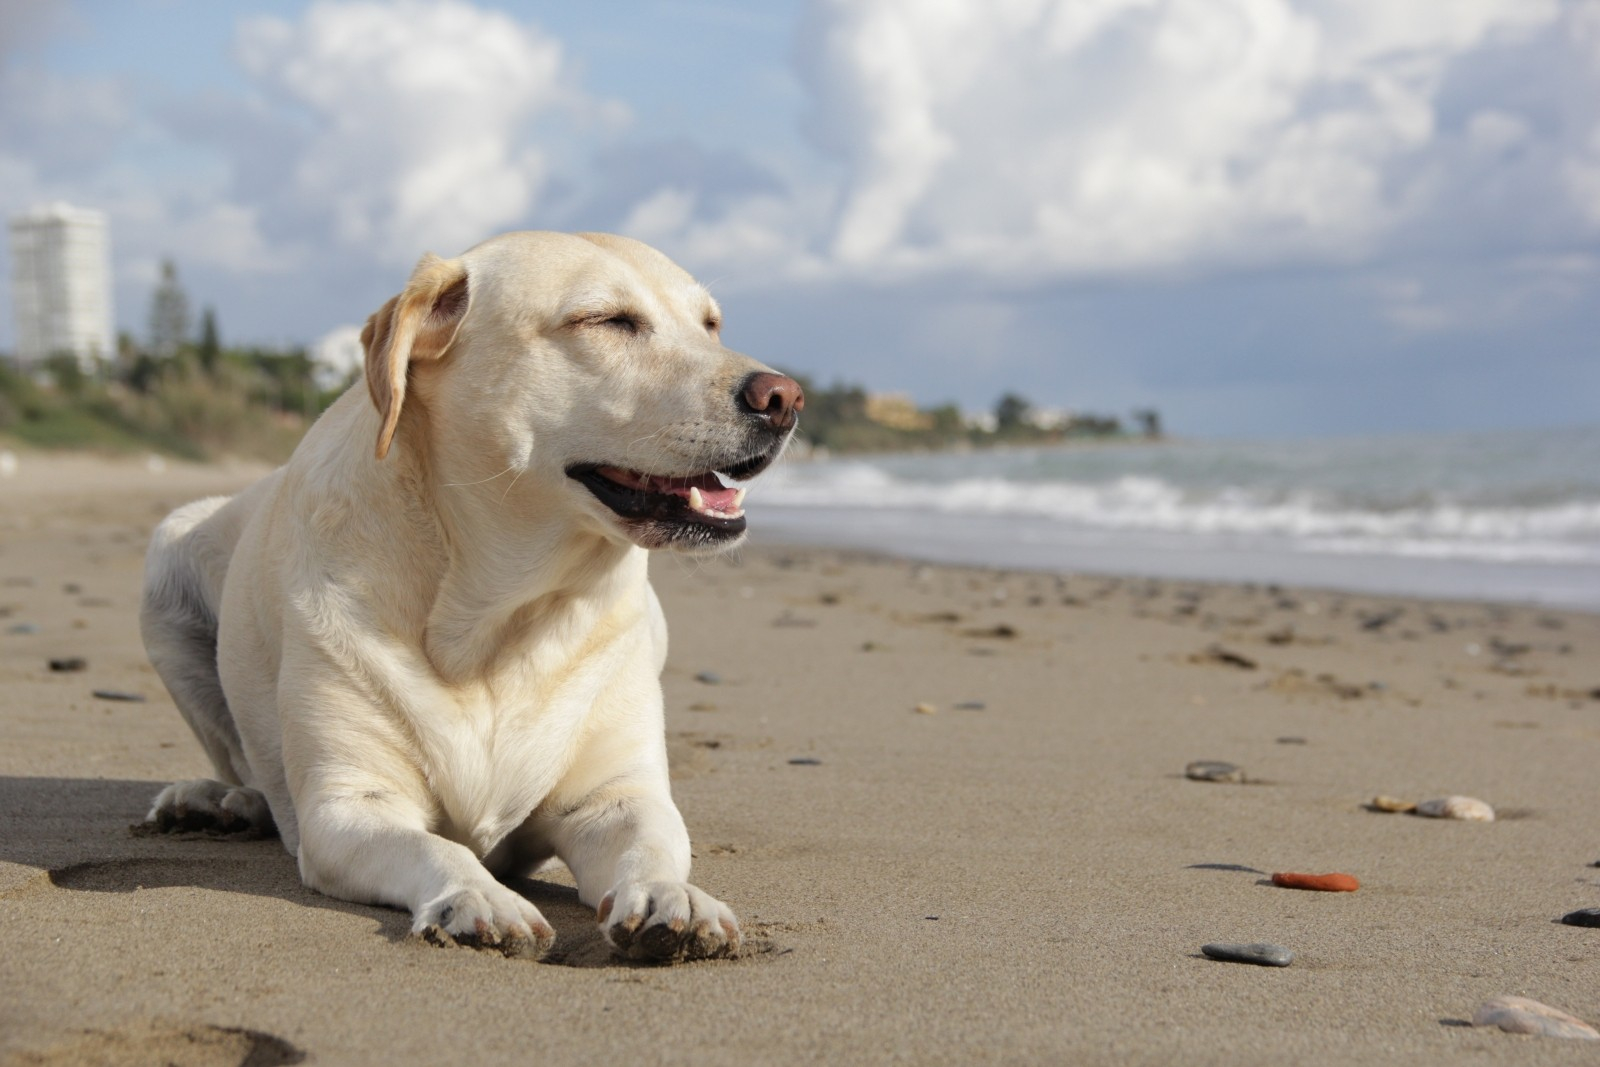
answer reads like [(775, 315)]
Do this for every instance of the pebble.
[(1519, 1015), (1383, 803), (1582, 917), (708, 678), (1259, 952), (805, 761), (1327, 883), (69, 663), (925, 709), (1467, 809), (22, 628), (1211, 770), (971, 705), (117, 694)]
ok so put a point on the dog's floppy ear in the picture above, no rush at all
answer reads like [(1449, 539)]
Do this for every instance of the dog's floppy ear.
[(420, 323)]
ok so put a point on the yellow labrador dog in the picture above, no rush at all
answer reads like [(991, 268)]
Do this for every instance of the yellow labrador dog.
[(426, 650)]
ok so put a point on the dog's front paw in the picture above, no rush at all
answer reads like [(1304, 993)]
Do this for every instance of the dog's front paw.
[(667, 921), (209, 806), (488, 917)]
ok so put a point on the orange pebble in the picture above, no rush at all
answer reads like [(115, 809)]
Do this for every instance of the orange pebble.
[(1328, 883)]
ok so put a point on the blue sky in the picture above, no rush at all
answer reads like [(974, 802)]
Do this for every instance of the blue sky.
[(1264, 217)]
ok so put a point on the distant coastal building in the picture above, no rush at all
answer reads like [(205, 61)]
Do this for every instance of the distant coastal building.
[(897, 411), (61, 284), (1049, 419)]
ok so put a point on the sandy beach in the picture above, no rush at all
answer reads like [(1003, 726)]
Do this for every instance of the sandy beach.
[(949, 806)]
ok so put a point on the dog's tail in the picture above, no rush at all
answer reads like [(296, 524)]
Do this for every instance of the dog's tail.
[(178, 621)]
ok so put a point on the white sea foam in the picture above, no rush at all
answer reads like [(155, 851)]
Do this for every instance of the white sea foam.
[(1306, 520)]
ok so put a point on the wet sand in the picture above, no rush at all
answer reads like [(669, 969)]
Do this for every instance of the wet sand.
[(1018, 872)]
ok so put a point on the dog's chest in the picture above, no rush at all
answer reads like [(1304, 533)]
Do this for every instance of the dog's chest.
[(492, 763)]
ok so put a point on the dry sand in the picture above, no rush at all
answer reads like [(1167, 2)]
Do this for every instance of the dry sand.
[(1025, 882)]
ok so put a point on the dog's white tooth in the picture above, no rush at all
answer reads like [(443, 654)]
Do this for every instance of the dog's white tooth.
[(738, 500), (696, 501)]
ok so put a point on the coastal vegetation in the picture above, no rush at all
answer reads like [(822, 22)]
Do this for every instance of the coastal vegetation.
[(179, 391), (846, 418), (182, 391)]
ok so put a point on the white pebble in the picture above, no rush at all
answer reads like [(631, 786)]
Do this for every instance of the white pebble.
[(1519, 1015), (1467, 809), (8, 463)]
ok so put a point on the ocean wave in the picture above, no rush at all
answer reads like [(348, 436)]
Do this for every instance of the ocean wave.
[(1306, 520)]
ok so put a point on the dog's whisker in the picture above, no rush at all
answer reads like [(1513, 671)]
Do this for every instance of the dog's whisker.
[(512, 486), (480, 481)]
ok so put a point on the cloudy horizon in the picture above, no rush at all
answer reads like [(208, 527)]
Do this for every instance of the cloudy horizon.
[(1262, 217)]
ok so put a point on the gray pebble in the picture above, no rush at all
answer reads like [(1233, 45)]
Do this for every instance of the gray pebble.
[(971, 705), (22, 628), (709, 678), (1211, 770), (1259, 952), (117, 694), (69, 663), (1582, 917), (805, 761)]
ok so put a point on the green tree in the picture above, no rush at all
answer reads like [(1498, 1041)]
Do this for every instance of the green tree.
[(947, 422), (1011, 413), (169, 314), (1149, 420), (210, 347)]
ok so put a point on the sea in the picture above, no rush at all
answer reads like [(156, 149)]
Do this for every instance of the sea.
[(1503, 516)]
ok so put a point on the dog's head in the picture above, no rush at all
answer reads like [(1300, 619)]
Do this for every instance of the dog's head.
[(582, 373)]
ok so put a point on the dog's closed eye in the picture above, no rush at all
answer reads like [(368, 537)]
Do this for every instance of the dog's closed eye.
[(626, 321)]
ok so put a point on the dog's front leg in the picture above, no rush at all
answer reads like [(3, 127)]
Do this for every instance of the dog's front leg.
[(369, 845), (369, 821), (629, 851)]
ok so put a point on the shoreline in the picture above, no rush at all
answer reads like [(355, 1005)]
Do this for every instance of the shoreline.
[(971, 541), (948, 803)]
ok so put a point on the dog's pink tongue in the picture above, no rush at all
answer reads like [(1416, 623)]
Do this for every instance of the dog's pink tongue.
[(712, 493)]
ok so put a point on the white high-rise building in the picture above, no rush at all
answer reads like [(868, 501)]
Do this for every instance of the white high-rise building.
[(61, 284)]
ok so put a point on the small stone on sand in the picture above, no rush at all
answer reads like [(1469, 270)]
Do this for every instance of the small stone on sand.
[(1383, 803), (1466, 809), (117, 694), (1211, 770), (1519, 1015), (805, 761), (1259, 952), (971, 705), (708, 678), (1582, 917), (69, 663), (925, 709)]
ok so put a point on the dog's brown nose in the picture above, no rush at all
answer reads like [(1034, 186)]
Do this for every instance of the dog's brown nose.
[(774, 397)]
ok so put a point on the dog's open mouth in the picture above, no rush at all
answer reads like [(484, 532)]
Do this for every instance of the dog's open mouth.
[(697, 500)]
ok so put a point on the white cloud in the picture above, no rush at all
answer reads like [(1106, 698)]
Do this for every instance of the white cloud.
[(1030, 139), (1028, 136), (422, 115), (337, 356)]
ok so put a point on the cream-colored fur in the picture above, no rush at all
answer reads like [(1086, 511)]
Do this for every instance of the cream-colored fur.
[(424, 650)]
